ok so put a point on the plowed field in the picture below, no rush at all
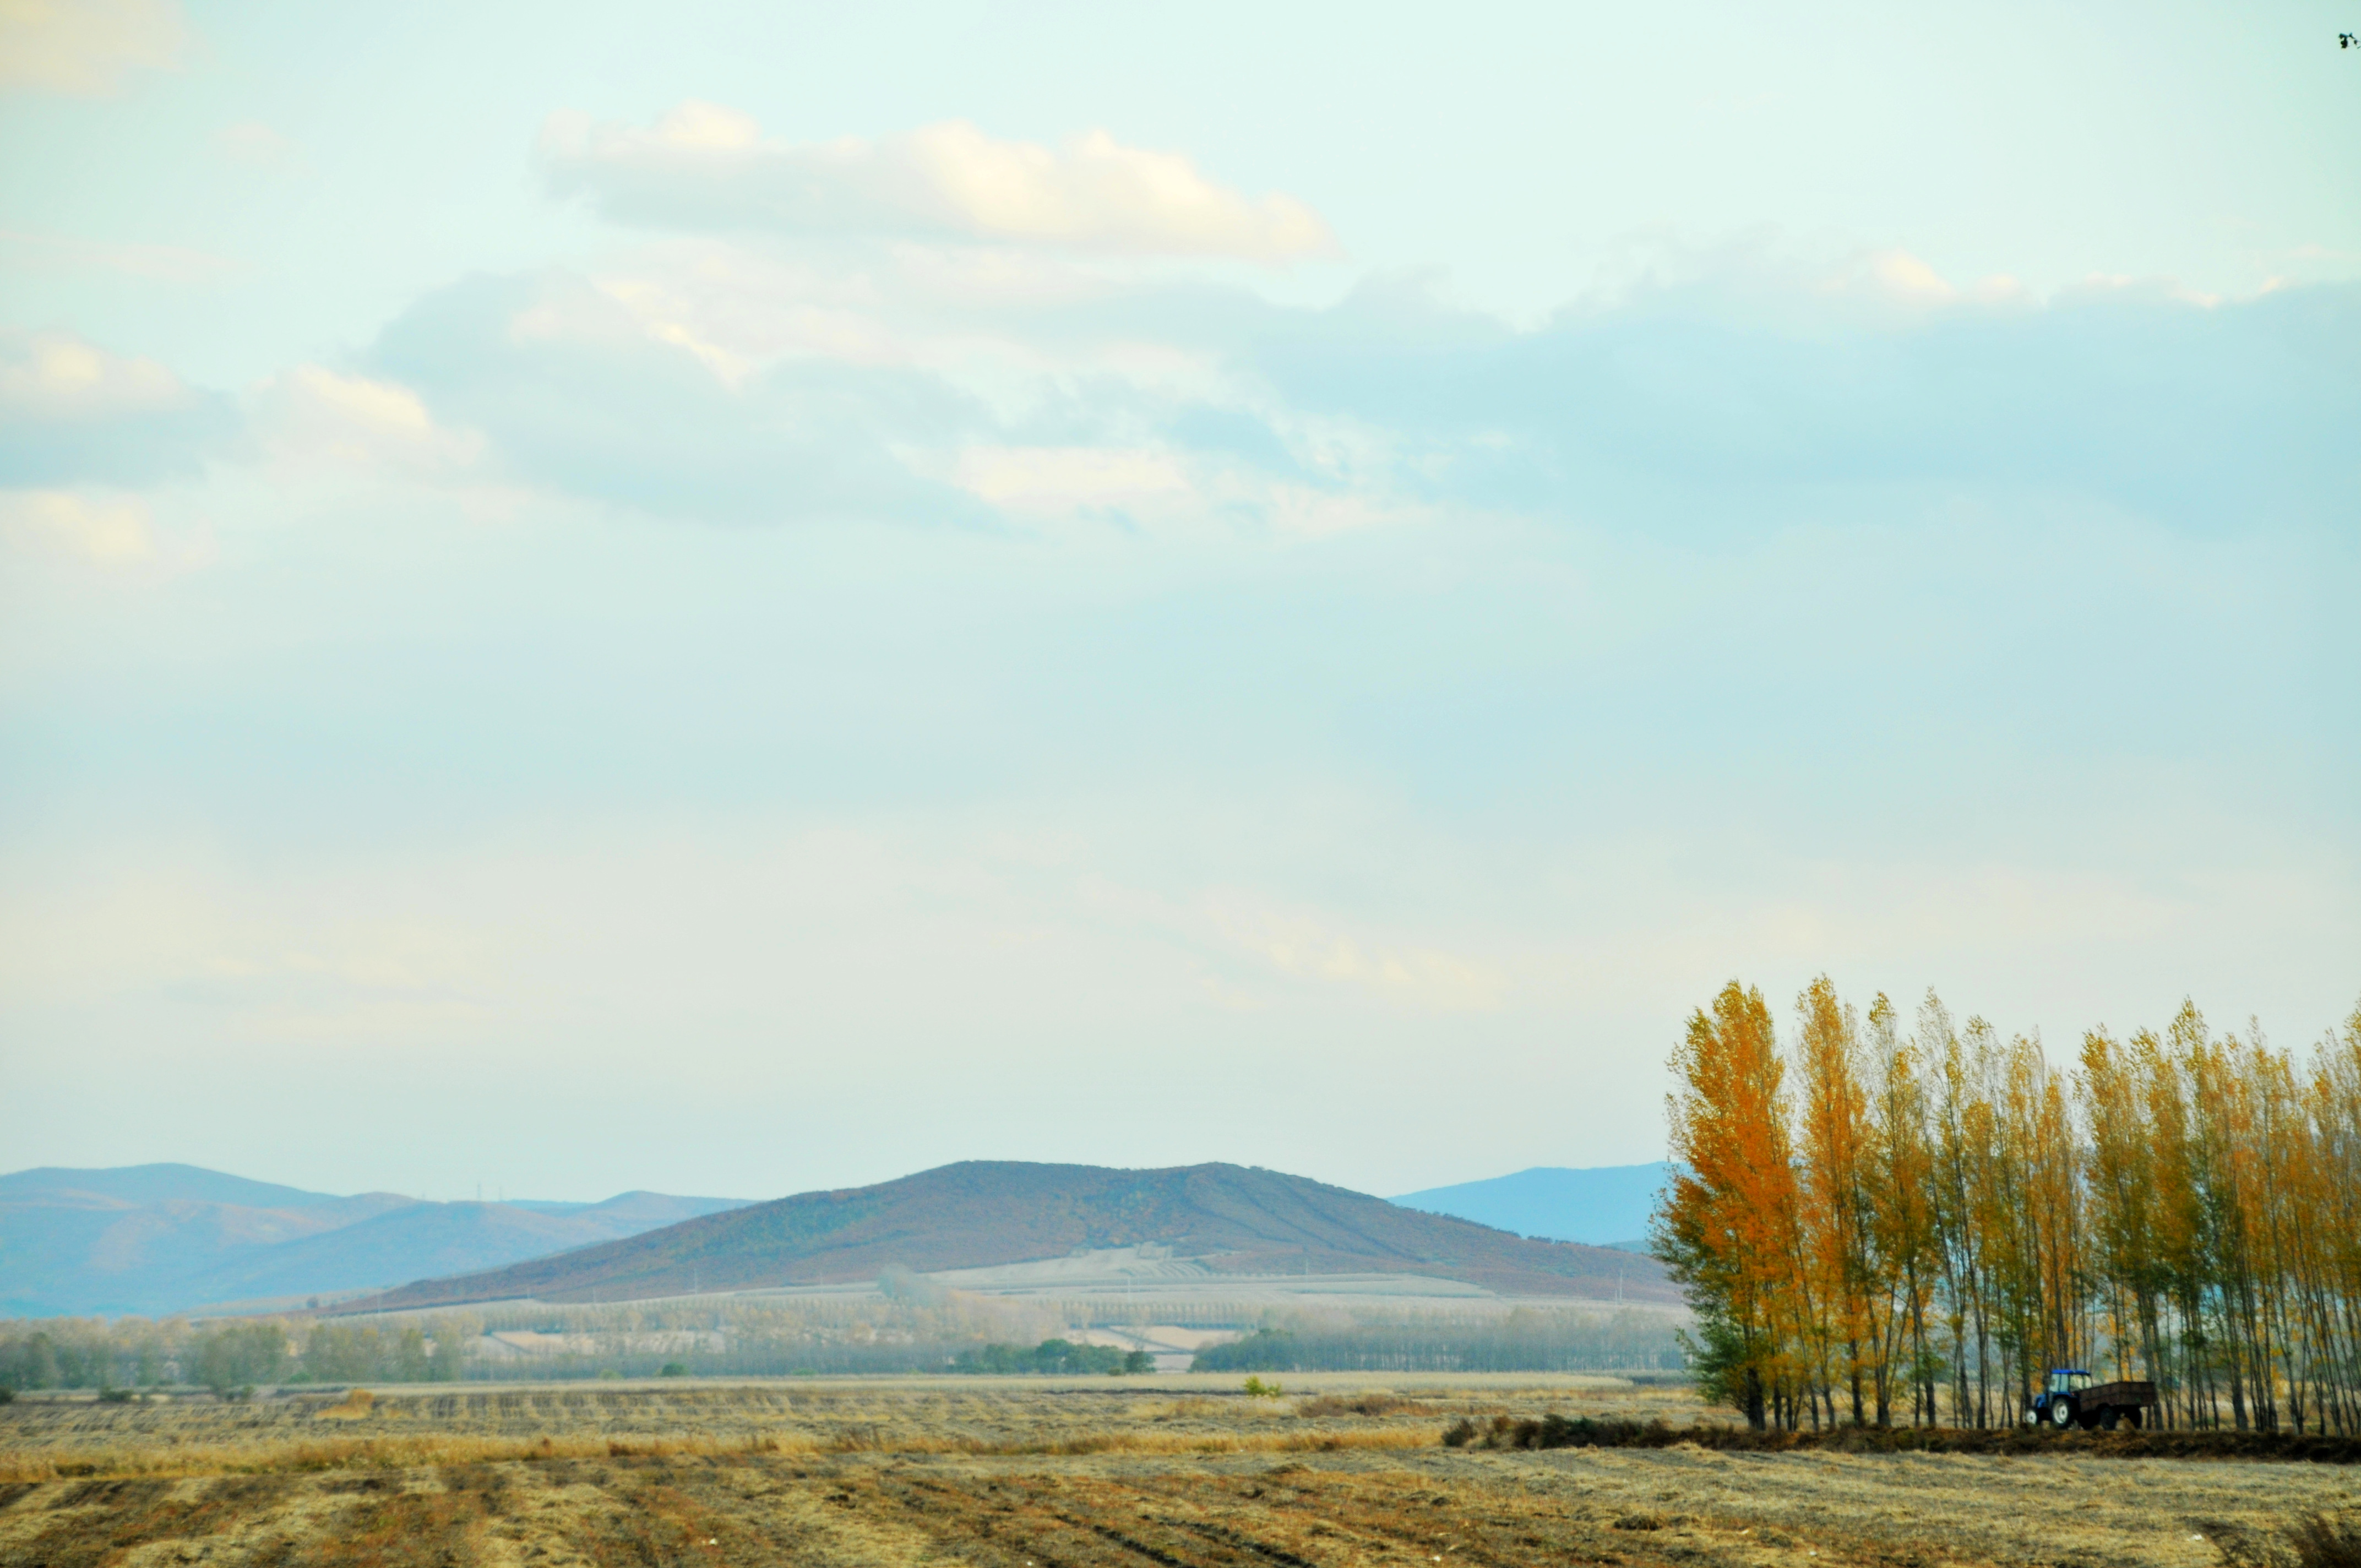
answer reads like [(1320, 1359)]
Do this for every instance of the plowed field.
[(1024, 1474)]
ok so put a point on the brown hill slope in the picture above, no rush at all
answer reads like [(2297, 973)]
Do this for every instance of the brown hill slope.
[(980, 1213)]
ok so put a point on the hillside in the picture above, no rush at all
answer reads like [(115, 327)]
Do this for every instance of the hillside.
[(164, 1238), (160, 1184), (1604, 1205), (982, 1214)]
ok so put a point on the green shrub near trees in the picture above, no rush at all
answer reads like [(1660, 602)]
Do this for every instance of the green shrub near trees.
[(1054, 1356)]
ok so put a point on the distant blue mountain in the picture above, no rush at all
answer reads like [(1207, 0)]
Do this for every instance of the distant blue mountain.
[(165, 1238), (1605, 1206), (160, 1184)]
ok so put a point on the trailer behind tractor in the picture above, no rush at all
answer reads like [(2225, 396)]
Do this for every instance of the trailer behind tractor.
[(2074, 1399)]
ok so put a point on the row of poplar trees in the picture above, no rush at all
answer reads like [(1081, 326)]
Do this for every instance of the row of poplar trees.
[(1891, 1223)]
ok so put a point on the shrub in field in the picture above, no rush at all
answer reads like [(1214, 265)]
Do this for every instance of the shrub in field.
[(1053, 1356), (1559, 1431), (1256, 1389), (1265, 1350), (673, 1369)]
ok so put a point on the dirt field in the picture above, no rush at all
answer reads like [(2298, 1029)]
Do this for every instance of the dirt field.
[(1030, 1474)]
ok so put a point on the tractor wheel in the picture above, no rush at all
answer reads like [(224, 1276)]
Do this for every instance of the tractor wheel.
[(2108, 1418), (2062, 1413)]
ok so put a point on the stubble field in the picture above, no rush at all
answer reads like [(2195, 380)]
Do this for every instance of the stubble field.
[(1037, 1473)]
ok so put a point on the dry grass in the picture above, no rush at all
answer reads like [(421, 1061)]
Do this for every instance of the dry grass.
[(404, 1453), (999, 1474), (1363, 1405)]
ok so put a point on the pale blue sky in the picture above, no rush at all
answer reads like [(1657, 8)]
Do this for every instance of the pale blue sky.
[(736, 599)]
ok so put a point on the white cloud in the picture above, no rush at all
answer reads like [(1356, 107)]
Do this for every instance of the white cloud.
[(1899, 273), (1161, 493), (310, 412), (1898, 278), (86, 47), (1305, 949), (706, 167), (1050, 482), (55, 375), (110, 533), (72, 413)]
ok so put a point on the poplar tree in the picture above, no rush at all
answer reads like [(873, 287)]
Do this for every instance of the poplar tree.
[(1946, 1213), (1723, 1226)]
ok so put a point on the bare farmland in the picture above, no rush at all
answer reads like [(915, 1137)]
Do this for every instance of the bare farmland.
[(1008, 1473)]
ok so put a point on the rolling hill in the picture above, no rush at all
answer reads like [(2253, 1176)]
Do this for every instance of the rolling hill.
[(1604, 1205), (164, 1238), (982, 1214), (159, 1184)]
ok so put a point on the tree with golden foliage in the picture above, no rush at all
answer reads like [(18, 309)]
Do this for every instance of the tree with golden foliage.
[(1946, 1214), (1724, 1227), (1837, 1218)]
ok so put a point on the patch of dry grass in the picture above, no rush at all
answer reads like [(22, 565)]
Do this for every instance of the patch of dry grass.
[(296, 1457), (1373, 1404), (413, 1453)]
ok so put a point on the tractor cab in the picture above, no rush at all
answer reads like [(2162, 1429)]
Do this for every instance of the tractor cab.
[(2066, 1380)]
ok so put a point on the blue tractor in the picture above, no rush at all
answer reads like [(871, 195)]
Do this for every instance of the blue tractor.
[(2074, 1399)]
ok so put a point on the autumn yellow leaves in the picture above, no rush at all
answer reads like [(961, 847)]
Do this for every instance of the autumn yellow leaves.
[(1924, 1221)]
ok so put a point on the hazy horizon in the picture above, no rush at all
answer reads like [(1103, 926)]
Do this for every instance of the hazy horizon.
[(497, 1195), (750, 600)]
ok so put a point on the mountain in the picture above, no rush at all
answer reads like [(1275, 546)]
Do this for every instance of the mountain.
[(160, 1184), (423, 1239), (162, 1238), (1606, 1205), (983, 1213), (76, 1250)]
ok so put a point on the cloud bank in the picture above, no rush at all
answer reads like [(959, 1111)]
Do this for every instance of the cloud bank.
[(733, 389), (574, 393), (709, 169)]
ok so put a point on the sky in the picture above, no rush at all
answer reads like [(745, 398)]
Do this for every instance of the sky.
[(738, 598)]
